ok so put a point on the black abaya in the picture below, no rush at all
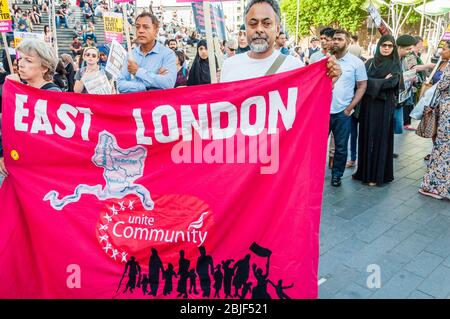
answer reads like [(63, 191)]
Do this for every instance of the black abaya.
[(376, 131)]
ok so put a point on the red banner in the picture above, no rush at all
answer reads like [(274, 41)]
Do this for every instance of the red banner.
[(196, 192)]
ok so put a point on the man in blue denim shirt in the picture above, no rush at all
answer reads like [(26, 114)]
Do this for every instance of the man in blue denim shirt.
[(151, 66)]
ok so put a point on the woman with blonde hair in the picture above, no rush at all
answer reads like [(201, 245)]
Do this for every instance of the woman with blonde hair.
[(92, 73), (37, 66)]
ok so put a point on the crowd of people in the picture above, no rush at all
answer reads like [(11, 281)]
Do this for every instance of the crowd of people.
[(372, 98)]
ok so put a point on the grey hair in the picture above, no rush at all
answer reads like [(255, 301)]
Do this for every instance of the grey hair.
[(232, 43), (67, 58), (44, 52), (272, 3)]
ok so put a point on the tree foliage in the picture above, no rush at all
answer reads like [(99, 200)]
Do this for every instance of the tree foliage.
[(345, 14)]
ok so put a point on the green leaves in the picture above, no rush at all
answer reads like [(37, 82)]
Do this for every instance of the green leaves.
[(346, 14)]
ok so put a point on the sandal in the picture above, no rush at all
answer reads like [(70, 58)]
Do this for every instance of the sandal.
[(350, 164), (436, 196), (409, 128)]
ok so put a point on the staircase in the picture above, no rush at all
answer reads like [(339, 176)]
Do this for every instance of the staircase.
[(44, 19), (64, 36)]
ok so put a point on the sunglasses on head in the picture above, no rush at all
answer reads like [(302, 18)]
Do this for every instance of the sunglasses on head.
[(94, 55), (385, 45)]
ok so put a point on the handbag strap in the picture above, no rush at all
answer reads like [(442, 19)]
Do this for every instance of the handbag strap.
[(434, 98), (276, 64)]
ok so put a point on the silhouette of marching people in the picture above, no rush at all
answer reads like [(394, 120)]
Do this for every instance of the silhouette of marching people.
[(154, 267), (183, 271), (246, 289), (279, 289), (260, 290), (224, 274), (242, 268), (204, 264), (168, 274), (144, 284), (134, 270), (228, 273), (218, 278), (192, 281)]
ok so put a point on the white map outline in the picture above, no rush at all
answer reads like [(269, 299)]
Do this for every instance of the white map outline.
[(121, 169)]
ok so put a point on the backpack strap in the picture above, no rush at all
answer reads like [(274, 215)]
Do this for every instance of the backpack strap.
[(276, 64)]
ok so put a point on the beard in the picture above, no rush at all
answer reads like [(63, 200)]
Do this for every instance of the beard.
[(337, 50), (260, 47)]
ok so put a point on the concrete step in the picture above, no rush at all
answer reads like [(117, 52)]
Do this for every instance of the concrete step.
[(65, 36)]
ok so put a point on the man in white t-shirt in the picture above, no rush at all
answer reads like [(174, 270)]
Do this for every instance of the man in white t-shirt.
[(262, 19)]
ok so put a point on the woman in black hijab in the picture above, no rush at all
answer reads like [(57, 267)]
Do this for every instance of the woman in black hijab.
[(199, 73), (376, 118)]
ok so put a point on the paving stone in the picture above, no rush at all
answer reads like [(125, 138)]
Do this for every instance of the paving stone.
[(354, 291), (424, 264), (398, 287), (422, 215), (446, 262), (391, 264), (406, 193), (413, 245), (340, 277), (417, 200), (348, 248), (440, 246), (403, 229), (417, 294), (372, 252), (428, 231), (437, 284), (374, 231)]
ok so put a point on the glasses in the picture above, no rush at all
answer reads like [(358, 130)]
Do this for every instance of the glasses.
[(231, 49), (90, 55), (389, 46)]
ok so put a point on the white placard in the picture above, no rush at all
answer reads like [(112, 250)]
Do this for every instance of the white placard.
[(116, 59)]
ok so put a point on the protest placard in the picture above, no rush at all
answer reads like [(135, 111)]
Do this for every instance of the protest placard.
[(113, 23), (116, 59)]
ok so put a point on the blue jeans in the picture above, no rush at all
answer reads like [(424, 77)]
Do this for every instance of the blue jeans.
[(58, 22), (92, 35), (85, 18), (353, 139), (340, 125), (398, 120)]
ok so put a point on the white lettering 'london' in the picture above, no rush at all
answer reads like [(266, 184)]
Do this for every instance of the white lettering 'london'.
[(168, 126), (167, 123)]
